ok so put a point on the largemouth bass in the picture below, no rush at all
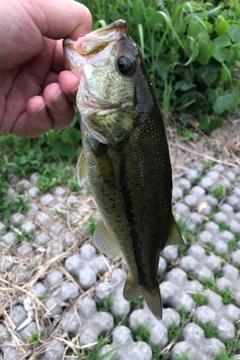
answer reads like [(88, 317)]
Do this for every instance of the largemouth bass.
[(125, 156)]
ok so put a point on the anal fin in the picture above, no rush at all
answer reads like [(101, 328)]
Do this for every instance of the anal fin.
[(106, 243), (81, 169), (174, 237)]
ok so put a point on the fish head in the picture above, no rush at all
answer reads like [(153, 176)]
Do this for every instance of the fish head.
[(112, 90)]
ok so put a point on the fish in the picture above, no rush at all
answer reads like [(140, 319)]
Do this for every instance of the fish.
[(124, 156)]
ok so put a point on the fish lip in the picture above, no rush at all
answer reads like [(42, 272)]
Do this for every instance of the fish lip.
[(97, 40)]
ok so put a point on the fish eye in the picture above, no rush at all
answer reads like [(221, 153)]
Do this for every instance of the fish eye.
[(126, 65)]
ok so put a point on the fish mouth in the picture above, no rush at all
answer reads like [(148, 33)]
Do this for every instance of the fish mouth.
[(97, 40)]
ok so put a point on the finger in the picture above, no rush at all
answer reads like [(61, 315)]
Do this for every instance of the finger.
[(33, 122), (52, 77), (69, 84), (59, 108), (59, 19)]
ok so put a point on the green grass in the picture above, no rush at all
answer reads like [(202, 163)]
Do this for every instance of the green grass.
[(223, 226), (200, 299), (209, 330), (34, 337), (92, 225), (218, 191)]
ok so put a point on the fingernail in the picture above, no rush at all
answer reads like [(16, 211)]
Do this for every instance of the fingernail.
[(42, 111), (60, 101), (74, 91)]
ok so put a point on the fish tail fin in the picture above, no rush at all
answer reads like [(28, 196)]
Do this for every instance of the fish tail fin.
[(151, 296), (153, 300)]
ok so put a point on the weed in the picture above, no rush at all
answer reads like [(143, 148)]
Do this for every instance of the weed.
[(218, 191), (92, 225), (233, 345), (89, 190), (200, 299), (223, 226), (184, 227), (224, 355), (141, 333), (232, 245), (105, 305), (227, 296), (217, 273), (175, 333), (21, 236), (61, 213), (210, 284), (11, 205), (184, 317), (94, 353), (182, 251), (208, 164), (209, 248), (33, 336), (73, 185), (136, 304), (44, 296), (209, 330), (34, 265), (184, 356), (198, 178)]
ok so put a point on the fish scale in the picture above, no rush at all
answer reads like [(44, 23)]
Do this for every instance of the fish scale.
[(125, 156)]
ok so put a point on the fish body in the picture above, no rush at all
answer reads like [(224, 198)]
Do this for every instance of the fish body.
[(125, 155)]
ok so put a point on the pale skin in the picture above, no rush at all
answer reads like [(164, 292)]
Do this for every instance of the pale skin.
[(37, 93)]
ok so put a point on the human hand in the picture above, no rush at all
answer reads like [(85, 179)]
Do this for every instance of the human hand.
[(36, 93)]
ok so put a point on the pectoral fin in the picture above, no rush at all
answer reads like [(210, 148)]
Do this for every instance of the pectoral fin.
[(105, 241), (174, 237), (81, 169)]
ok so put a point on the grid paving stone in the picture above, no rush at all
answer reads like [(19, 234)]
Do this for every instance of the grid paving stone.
[(60, 192), (34, 178), (53, 306), (184, 183), (57, 228), (54, 350), (25, 250), (42, 239), (34, 192), (26, 332), (68, 239), (33, 209), (23, 185), (18, 315), (70, 323), (42, 218), (12, 178), (8, 239), (126, 348), (54, 278), (170, 253), (17, 218), (39, 289), (93, 323), (69, 291), (28, 227), (10, 352), (11, 192), (48, 200)]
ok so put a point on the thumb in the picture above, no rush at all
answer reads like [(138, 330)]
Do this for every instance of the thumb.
[(58, 19)]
